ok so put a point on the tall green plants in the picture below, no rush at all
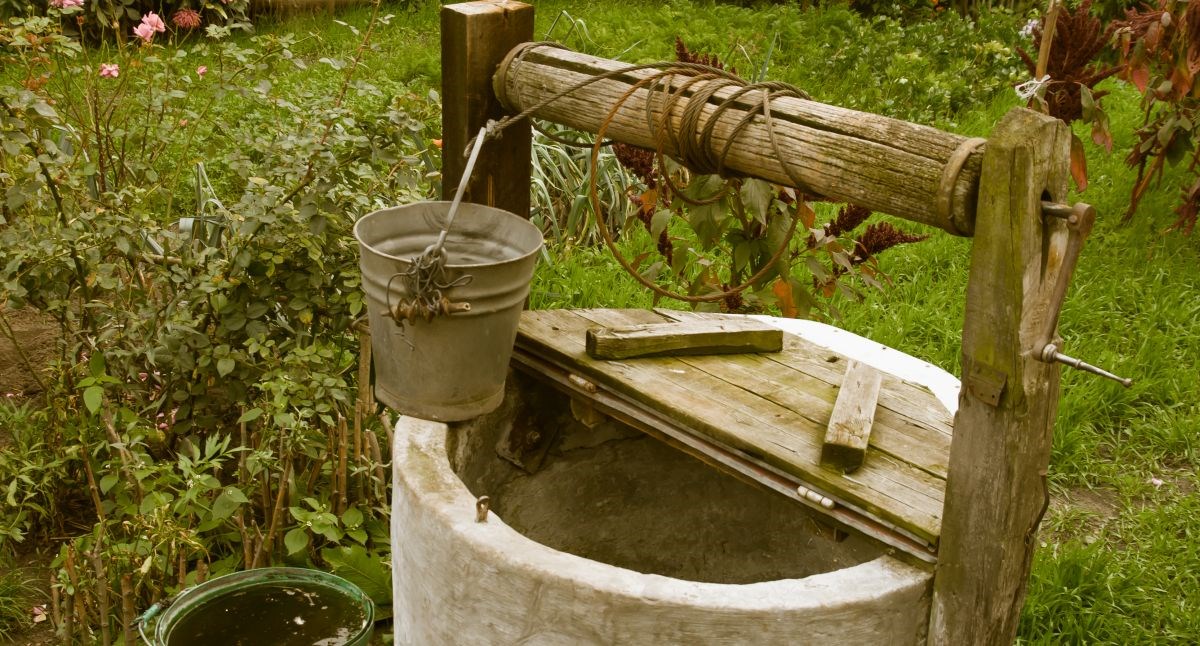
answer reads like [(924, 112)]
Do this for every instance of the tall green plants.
[(188, 226)]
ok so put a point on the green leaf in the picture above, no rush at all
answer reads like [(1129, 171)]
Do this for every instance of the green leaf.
[(296, 540), (250, 415), (352, 517), (368, 571), (706, 222), (757, 195), (228, 502), (225, 366), (659, 222), (92, 398)]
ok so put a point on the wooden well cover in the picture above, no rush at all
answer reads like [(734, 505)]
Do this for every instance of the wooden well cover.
[(772, 410)]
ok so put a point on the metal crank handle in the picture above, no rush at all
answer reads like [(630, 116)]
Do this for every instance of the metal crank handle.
[(1050, 354)]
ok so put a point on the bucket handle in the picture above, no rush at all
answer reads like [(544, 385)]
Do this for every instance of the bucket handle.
[(426, 270)]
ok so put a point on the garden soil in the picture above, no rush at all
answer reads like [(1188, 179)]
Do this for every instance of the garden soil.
[(37, 336)]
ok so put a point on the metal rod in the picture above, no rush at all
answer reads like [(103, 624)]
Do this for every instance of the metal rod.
[(1050, 354)]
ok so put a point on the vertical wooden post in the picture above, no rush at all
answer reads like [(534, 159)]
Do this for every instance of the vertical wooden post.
[(475, 38), (995, 492)]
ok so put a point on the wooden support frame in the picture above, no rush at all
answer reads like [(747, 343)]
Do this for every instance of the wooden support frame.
[(476, 36), (996, 489)]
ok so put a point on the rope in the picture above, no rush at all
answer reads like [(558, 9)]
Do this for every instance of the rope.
[(692, 143)]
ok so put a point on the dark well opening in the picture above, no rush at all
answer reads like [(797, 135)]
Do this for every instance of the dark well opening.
[(615, 495)]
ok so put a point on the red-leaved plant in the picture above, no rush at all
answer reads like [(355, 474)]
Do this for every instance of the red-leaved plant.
[(1160, 55)]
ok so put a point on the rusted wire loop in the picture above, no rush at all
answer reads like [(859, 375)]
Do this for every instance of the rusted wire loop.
[(944, 203), (602, 226)]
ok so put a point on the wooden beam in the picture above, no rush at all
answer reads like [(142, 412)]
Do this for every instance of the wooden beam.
[(475, 38), (884, 164), (683, 338), (849, 429), (996, 488)]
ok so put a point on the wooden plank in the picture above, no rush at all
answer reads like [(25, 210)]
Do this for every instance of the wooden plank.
[(884, 164), (891, 490), (905, 399), (907, 440), (731, 336), (996, 491), (849, 429), (475, 38), (805, 378)]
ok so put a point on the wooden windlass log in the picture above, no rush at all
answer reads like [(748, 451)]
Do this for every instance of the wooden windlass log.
[(884, 164)]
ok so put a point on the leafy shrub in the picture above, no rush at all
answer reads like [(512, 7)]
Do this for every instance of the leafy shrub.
[(208, 404), (1159, 52)]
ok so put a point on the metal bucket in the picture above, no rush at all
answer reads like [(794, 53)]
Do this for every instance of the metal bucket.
[(280, 605), (451, 367)]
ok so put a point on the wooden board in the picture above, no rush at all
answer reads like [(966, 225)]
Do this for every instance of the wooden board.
[(733, 336), (849, 430), (775, 408)]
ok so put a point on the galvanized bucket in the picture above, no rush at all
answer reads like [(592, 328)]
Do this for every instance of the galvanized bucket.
[(278, 605), (452, 366)]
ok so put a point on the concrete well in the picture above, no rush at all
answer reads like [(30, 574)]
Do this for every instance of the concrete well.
[(618, 539)]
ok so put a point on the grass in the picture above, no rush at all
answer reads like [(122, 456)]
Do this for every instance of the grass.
[(1123, 572)]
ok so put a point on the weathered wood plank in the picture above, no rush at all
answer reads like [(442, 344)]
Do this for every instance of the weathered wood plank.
[(849, 429), (788, 379), (891, 490), (731, 336), (905, 399), (475, 38), (996, 491), (884, 164)]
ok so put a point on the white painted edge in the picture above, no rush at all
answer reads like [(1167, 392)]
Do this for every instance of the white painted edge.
[(942, 384)]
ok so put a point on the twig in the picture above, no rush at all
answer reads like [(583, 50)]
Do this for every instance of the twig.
[(362, 407), (74, 602), (128, 614), (127, 461), (101, 594), (55, 603), (343, 479), (95, 491), (276, 516), (379, 485), (386, 418)]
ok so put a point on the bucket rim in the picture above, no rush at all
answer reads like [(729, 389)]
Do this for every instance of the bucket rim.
[(509, 214), (262, 575)]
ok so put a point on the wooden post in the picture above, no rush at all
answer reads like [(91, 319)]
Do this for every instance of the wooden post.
[(996, 489), (475, 38)]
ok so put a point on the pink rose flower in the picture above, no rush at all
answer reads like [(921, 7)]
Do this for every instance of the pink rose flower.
[(201, 71), (109, 70), (66, 4), (145, 32), (154, 22)]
